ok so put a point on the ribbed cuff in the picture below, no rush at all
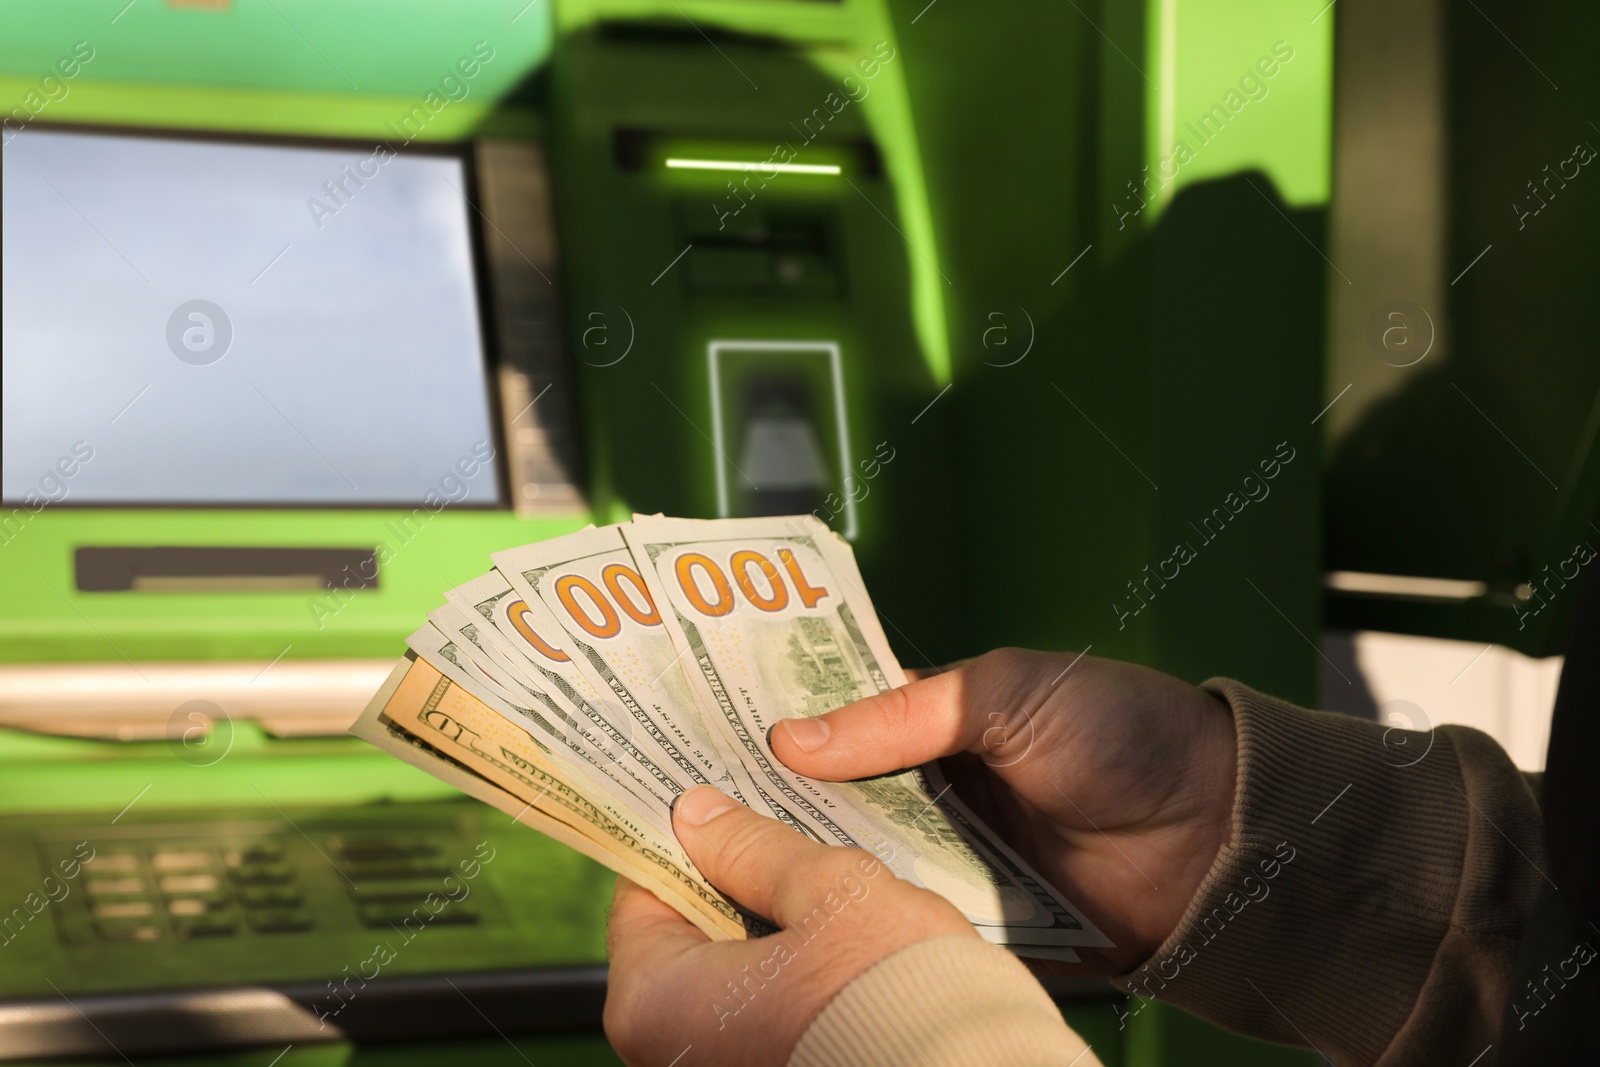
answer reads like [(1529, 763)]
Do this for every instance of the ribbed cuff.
[(945, 1001), (1322, 917)]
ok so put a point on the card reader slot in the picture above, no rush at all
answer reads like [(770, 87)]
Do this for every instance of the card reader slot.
[(217, 569)]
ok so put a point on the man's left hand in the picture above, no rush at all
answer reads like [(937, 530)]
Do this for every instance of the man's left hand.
[(839, 911)]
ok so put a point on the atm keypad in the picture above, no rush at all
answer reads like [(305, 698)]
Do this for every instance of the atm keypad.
[(393, 879), (189, 890), (209, 888), (278, 920), (270, 896)]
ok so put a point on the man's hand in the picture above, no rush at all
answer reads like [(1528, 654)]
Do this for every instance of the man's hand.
[(839, 910), (1115, 781)]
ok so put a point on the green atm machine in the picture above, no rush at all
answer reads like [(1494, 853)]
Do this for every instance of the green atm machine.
[(274, 377), (309, 307), (306, 312)]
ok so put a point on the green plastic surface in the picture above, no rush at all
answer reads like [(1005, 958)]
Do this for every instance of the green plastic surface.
[(1170, 356), (47, 619), (1161, 1034), (1269, 66), (1167, 360), (55, 774), (298, 48)]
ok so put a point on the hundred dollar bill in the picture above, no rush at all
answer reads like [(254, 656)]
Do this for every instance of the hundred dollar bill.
[(772, 620), (418, 715), (474, 655), (467, 649), (601, 781), (585, 584), (528, 642)]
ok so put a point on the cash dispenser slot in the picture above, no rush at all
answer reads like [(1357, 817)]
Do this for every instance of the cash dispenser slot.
[(782, 251), (778, 422), (218, 569)]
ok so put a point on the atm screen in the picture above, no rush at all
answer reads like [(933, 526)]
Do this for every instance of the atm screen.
[(206, 322)]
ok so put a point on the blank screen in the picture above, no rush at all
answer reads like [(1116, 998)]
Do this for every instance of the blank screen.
[(222, 323)]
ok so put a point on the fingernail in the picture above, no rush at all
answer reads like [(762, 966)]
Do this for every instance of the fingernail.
[(702, 804), (807, 734)]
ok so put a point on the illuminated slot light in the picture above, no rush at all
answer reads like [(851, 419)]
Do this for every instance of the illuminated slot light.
[(728, 164)]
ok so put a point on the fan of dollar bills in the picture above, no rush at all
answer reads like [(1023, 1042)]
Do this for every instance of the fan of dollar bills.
[(586, 681)]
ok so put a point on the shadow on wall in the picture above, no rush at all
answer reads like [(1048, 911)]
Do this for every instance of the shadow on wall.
[(1237, 326)]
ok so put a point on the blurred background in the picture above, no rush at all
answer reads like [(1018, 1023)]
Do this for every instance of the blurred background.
[(1234, 337)]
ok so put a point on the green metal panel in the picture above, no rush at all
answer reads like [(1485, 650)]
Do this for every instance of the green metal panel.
[(1171, 354), (1168, 362), (1160, 1034), (1098, 1024), (354, 49), (53, 774), (46, 619), (827, 39), (1268, 67), (281, 112), (295, 67)]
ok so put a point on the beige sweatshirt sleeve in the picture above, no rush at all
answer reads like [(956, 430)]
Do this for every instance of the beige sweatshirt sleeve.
[(1372, 896), (942, 1002)]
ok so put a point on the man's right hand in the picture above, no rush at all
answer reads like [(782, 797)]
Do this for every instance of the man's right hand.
[(1114, 781)]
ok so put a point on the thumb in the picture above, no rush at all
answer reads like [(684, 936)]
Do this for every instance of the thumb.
[(762, 864), (963, 709)]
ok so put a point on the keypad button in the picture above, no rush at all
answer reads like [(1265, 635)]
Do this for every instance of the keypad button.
[(126, 931), (262, 873), (412, 889), (269, 896), (189, 883), (207, 926), (197, 905), (456, 915), (278, 920), (255, 852), (387, 913), (405, 867), (193, 887), (381, 846)]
